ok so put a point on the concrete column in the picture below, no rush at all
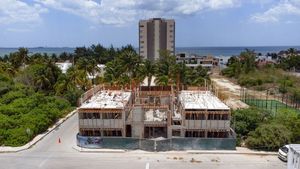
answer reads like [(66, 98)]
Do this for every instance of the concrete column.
[(182, 130), (169, 124), (124, 124), (206, 119)]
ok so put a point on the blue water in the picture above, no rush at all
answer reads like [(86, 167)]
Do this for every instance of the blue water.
[(5, 51), (215, 51), (229, 51)]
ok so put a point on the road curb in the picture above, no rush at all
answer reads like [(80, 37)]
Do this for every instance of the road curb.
[(37, 138), (84, 150), (233, 152)]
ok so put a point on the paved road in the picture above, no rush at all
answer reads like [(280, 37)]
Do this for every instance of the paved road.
[(49, 154)]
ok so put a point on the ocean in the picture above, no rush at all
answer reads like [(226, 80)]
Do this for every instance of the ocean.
[(214, 51)]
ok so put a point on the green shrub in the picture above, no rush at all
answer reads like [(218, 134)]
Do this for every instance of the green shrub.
[(247, 120), (269, 137), (23, 109), (249, 81), (229, 72), (260, 88), (291, 120), (17, 137), (12, 95), (73, 96)]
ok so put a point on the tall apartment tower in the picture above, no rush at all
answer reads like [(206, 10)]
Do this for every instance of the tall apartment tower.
[(156, 34)]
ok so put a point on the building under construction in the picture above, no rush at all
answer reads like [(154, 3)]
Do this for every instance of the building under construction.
[(154, 112), (104, 114)]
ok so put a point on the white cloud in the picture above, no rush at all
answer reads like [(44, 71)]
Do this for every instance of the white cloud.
[(262, 2), (15, 11), (277, 12), (123, 11), (18, 30)]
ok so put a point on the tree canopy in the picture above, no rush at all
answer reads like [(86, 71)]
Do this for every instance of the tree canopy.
[(128, 69), (260, 129)]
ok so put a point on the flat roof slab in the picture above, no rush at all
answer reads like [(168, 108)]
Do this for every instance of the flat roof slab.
[(204, 100), (108, 100)]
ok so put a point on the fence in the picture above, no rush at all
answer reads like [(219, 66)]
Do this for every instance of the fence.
[(271, 100), (157, 145), (88, 94)]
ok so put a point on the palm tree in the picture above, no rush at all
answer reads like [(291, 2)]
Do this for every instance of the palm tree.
[(52, 71), (42, 82), (63, 84), (149, 70), (78, 77), (14, 59), (37, 58), (248, 60), (19, 58), (100, 54), (162, 80), (89, 66), (123, 80), (179, 74), (112, 72), (166, 69), (23, 54), (139, 75), (130, 62), (93, 69), (6, 67), (292, 51)]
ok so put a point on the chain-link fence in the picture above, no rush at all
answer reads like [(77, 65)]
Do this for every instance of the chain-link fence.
[(271, 99)]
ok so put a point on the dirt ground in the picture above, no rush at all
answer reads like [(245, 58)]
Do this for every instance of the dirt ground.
[(228, 91)]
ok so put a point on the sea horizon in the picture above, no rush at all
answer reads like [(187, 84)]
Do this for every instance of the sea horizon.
[(201, 50)]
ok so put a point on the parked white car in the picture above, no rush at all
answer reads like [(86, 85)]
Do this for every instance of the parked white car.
[(283, 153)]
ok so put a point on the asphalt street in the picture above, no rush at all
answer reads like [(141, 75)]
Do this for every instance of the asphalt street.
[(50, 154)]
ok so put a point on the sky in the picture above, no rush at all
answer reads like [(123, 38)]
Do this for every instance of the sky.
[(199, 23)]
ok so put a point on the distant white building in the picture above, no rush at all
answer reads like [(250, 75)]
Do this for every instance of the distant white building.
[(63, 66), (194, 60), (100, 72), (223, 60)]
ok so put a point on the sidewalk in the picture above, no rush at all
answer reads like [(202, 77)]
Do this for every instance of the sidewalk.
[(86, 150), (8, 149), (239, 150)]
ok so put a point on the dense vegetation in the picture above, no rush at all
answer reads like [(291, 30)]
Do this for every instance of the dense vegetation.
[(25, 113), (28, 105), (35, 93), (245, 70), (259, 129), (264, 129)]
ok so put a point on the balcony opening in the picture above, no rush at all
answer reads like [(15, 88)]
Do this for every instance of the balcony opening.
[(176, 133), (112, 133), (217, 134), (154, 132), (194, 133), (128, 130)]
